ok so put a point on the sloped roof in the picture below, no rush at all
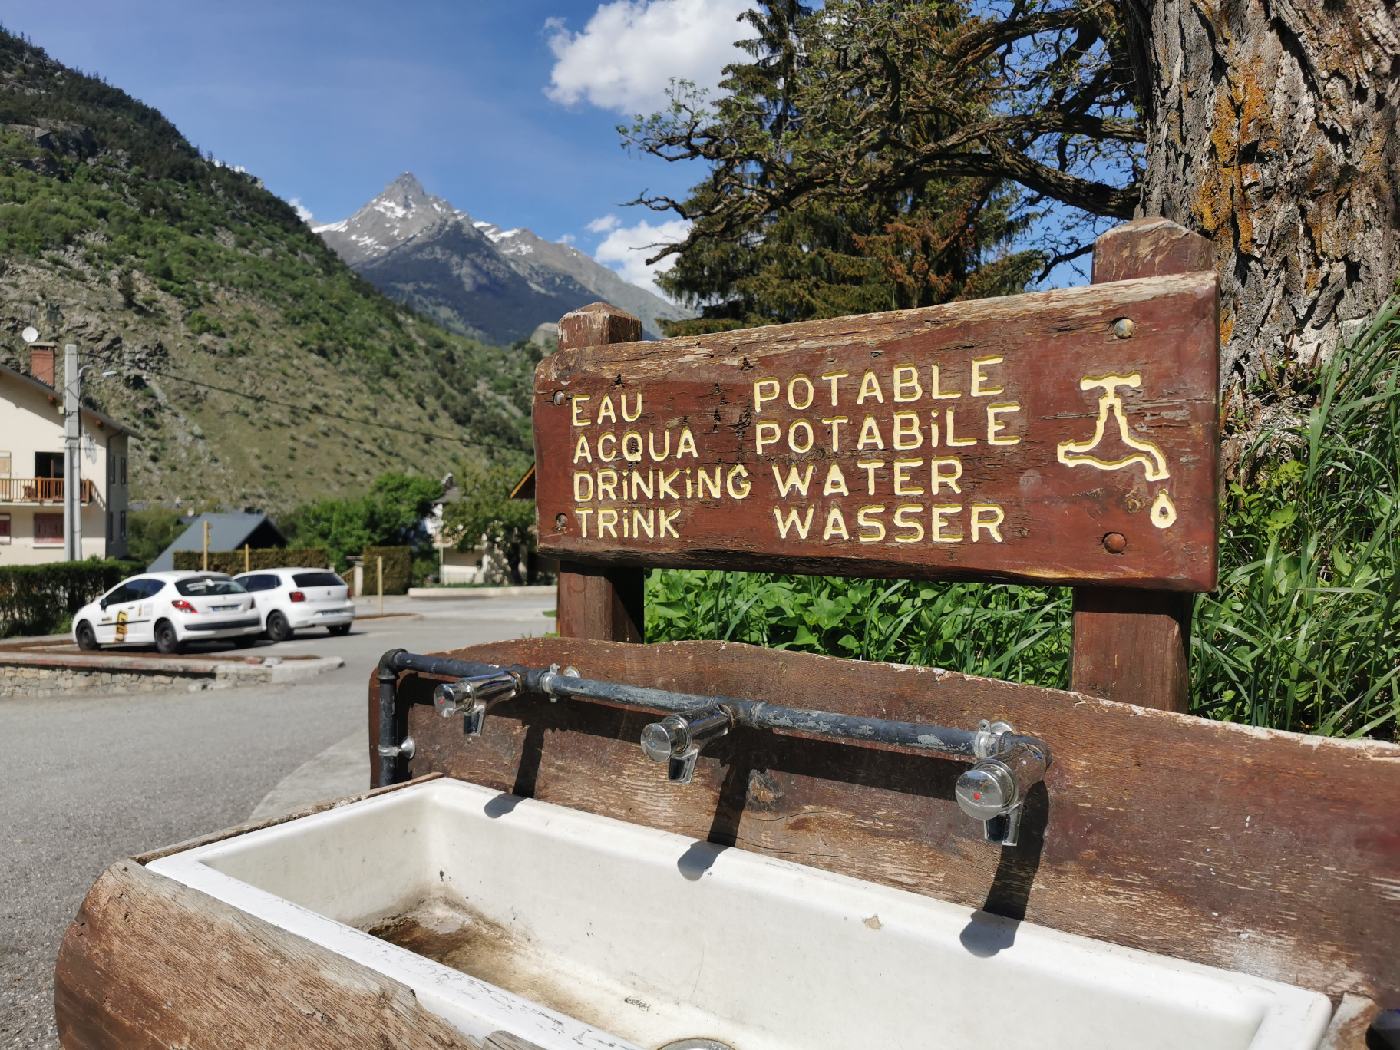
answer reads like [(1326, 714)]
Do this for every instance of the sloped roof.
[(101, 417), (227, 531)]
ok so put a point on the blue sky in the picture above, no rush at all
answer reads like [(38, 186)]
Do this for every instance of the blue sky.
[(507, 109)]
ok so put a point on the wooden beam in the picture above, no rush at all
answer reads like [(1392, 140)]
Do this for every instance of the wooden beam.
[(594, 602), (1134, 646)]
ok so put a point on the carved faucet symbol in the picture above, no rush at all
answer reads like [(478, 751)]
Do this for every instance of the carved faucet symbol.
[(1134, 449)]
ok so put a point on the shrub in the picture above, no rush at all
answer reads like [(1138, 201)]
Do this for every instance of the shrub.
[(398, 569), (233, 562), (38, 599)]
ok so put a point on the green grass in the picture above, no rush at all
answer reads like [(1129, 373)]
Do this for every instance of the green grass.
[(1303, 632)]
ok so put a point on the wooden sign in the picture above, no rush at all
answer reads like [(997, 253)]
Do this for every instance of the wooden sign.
[(1065, 437)]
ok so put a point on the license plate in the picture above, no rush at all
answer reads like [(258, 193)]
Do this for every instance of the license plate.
[(223, 608)]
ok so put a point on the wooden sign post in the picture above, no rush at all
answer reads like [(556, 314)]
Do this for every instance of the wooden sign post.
[(598, 602)]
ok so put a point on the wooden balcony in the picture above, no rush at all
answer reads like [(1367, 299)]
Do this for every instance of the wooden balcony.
[(39, 490)]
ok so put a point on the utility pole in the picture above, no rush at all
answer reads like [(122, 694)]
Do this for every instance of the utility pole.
[(72, 455)]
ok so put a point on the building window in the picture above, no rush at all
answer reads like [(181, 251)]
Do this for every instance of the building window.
[(111, 468), (4, 464), (4, 528), (123, 470), (48, 530), (123, 521)]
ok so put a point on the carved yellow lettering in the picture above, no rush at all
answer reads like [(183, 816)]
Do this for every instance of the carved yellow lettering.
[(908, 435), (995, 426), (643, 521), (641, 484), (870, 388), (937, 392), (635, 414), (583, 493), (953, 466), (666, 525), (940, 513), (835, 525), (835, 484), (793, 482), (607, 523), (906, 384), (576, 403), (686, 444), (870, 436), (800, 392), (665, 487), (581, 451), (872, 528), (835, 423), (800, 437), (583, 514), (632, 446), (904, 519), (988, 517), (790, 521), (606, 414), (830, 379), (870, 466), (607, 487), (737, 482), (765, 390), (766, 433), (902, 485), (665, 452), (949, 438), (980, 377), (704, 480)]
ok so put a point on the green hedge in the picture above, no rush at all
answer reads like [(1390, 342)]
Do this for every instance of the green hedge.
[(398, 569), (37, 599), (232, 562)]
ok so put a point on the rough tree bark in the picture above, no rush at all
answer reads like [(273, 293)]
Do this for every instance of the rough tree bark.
[(1272, 130)]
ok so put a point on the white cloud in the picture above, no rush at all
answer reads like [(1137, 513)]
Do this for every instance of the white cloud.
[(568, 238), (630, 50), (303, 212), (627, 248), (604, 224)]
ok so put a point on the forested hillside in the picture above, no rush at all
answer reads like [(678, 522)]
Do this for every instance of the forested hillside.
[(250, 360)]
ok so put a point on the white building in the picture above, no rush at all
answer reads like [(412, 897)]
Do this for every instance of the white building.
[(31, 470)]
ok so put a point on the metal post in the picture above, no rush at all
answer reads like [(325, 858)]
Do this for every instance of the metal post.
[(205, 563), (247, 559), (72, 456), (379, 568)]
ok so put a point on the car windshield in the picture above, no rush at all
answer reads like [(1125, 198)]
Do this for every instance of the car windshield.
[(318, 579), (208, 586)]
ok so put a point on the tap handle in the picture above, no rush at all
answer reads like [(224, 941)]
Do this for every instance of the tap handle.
[(678, 738), (473, 697)]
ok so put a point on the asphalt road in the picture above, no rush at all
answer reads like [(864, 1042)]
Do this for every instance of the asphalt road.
[(87, 780)]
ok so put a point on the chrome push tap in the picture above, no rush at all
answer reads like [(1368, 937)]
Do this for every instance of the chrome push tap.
[(473, 696), (678, 738), (994, 790)]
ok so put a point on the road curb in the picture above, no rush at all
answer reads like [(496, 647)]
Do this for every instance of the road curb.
[(438, 593)]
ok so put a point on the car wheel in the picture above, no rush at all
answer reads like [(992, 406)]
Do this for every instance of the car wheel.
[(167, 641), (87, 637), (278, 629), (340, 628)]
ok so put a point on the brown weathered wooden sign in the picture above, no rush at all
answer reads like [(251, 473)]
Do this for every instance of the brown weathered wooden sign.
[(1065, 436)]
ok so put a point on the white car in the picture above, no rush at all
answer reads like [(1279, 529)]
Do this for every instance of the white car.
[(168, 609), (289, 600)]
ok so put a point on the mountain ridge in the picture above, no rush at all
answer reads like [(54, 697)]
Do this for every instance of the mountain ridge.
[(472, 275), (178, 276)]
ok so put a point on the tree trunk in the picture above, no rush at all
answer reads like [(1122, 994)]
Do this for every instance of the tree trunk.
[(1272, 130)]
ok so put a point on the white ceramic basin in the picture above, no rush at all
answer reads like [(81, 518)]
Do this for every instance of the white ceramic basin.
[(571, 930)]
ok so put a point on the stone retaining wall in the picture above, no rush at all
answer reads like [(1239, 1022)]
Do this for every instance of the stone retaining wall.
[(45, 681)]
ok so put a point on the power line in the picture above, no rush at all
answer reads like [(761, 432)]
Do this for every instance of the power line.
[(264, 399)]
